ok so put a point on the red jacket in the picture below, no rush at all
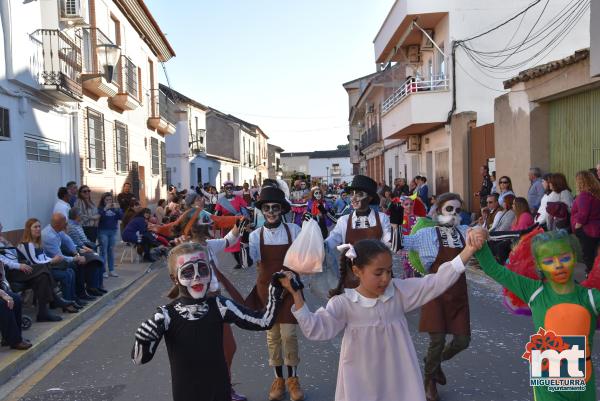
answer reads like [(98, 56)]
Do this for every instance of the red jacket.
[(586, 211)]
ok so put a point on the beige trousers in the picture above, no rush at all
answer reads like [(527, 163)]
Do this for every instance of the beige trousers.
[(282, 342)]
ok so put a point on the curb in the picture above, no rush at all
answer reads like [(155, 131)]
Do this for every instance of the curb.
[(48, 341)]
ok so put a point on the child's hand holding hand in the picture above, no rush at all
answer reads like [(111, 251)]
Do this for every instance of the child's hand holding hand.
[(285, 278)]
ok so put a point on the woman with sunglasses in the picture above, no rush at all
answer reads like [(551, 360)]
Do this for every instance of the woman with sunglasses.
[(504, 188), (88, 212)]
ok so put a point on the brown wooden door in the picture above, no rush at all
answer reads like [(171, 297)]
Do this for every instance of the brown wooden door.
[(142, 183), (481, 148), (442, 172)]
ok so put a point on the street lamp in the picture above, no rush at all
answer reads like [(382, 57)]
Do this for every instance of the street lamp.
[(327, 168), (108, 56)]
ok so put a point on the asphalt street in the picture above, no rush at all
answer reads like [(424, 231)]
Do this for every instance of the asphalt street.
[(100, 368)]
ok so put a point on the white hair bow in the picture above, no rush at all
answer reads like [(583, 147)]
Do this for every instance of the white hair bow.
[(351, 254)]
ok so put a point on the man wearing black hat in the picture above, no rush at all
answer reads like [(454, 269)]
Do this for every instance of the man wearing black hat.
[(363, 222), (268, 246)]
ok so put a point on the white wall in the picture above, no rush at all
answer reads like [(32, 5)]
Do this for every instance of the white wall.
[(397, 160), (317, 168)]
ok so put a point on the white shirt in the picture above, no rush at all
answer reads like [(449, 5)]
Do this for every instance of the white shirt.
[(272, 236), (62, 207), (337, 236), (376, 336)]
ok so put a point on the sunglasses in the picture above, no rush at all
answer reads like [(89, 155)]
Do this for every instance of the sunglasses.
[(85, 191), (192, 269), (503, 182)]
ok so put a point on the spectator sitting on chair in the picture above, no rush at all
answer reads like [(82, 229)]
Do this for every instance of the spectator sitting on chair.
[(133, 209), (36, 276), (62, 205), (523, 218), (54, 240), (137, 232), (160, 211), (72, 189), (10, 316), (75, 231)]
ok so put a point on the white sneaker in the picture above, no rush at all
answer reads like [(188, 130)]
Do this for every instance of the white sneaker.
[(113, 274), (105, 275)]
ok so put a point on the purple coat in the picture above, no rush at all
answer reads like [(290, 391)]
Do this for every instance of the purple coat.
[(586, 211)]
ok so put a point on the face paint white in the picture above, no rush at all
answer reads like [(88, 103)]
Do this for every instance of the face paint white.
[(450, 213), (358, 199), (317, 195), (271, 211), (194, 273)]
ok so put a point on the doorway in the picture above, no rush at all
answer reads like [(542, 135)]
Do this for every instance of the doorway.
[(442, 172)]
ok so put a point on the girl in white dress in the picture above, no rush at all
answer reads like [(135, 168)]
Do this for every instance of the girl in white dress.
[(378, 361)]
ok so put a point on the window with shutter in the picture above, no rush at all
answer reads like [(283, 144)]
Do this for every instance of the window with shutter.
[(163, 162), (4, 127), (155, 156), (71, 8), (121, 147), (96, 149)]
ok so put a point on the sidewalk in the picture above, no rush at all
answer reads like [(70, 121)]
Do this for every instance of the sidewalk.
[(44, 335)]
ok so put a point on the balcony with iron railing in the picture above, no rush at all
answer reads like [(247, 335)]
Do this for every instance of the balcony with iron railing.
[(197, 142), (417, 106), (56, 64), (128, 96), (369, 137), (94, 75), (161, 112)]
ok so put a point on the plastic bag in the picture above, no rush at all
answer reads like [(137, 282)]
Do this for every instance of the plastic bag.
[(320, 283), (306, 254)]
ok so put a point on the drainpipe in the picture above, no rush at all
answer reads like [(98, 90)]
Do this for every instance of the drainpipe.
[(5, 18), (453, 109)]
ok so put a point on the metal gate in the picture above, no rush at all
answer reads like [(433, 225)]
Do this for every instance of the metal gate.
[(575, 133)]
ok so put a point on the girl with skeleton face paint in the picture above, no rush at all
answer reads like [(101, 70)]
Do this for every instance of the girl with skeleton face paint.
[(448, 313), (321, 210), (192, 325)]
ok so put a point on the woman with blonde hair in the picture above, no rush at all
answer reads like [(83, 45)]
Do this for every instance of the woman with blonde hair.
[(585, 215)]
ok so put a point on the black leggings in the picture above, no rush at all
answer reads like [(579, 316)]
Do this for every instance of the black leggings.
[(589, 247)]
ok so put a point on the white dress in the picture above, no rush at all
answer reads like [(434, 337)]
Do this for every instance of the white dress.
[(378, 361)]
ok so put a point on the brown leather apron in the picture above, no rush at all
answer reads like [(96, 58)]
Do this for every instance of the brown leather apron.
[(353, 236), (448, 313), (272, 257)]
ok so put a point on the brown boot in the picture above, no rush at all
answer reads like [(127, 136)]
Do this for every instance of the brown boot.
[(293, 385), (277, 389), (431, 393)]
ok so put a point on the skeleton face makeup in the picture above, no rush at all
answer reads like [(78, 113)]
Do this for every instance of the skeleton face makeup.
[(271, 211), (228, 190), (302, 185), (450, 213), (317, 195), (359, 200), (194, 274)]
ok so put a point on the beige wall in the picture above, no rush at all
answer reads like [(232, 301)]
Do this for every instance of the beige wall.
[(459, 152)]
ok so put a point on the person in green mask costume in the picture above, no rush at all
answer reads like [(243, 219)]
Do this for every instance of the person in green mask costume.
[(557, 303)]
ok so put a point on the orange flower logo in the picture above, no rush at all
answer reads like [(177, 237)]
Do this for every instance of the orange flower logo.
[(542, 341)]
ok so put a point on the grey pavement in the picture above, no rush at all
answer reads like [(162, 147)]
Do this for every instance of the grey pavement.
[(100, 368)]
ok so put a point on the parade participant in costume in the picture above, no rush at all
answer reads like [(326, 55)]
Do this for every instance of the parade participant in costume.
[(231, 205), (268, 246), (320, 210), (377, 344), (557, 303), (448, 313), (192, 325), (413, 209), (362, 223), (298, 199)]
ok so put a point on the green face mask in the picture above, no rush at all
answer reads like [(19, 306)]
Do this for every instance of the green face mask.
[(556, 259)]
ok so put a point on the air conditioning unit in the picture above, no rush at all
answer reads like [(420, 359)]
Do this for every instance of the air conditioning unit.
[(413, 54), (73, 11), (414, 143), (426, 43)]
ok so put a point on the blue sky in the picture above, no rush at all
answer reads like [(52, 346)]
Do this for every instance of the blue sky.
[(276, 63)]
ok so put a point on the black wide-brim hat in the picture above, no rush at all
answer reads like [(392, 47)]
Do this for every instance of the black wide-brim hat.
[(273, 195), (366, 184)]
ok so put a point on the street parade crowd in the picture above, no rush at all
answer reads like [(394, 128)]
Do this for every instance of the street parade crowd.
[(338, 242)]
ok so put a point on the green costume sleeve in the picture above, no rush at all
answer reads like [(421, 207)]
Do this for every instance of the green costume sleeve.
[(522, 286), (596, 297)]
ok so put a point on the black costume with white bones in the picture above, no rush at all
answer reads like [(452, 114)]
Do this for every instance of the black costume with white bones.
[(193, 332)]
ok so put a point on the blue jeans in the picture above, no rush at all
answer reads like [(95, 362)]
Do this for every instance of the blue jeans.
[(66, 278), (107, 240)]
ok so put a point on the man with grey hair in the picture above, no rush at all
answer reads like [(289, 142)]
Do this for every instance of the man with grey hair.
[(536, 189)]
